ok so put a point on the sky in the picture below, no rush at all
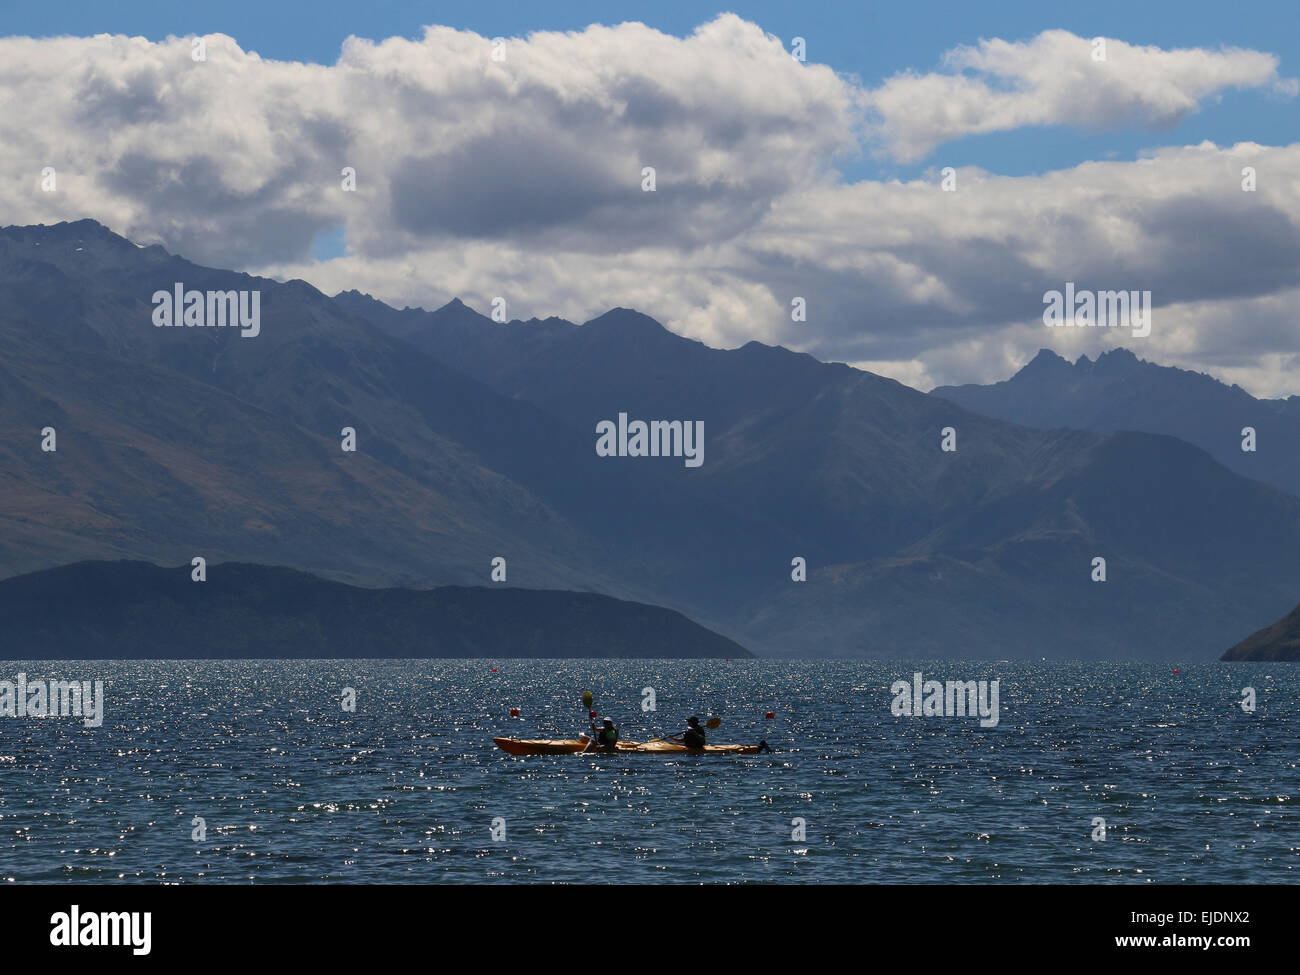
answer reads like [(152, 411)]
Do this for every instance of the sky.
[(516, 169)]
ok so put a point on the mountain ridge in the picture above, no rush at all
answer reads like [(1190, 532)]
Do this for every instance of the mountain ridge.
[(137, 610), (1118, 390), (476, 440)]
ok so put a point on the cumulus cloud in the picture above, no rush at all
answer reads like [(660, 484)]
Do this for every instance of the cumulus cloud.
[(929, 286), (239, 158), (1176, 222), (1056, 79), (522, 178)]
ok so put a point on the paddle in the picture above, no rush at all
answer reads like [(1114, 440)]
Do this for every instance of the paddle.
[(711, 724), (586, 702)]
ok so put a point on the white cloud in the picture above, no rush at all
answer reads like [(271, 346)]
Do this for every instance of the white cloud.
[(522, 178), (952, 283), (239, 158), (1053, 79)]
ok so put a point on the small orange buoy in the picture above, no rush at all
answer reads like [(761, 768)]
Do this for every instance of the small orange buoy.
[(770, 715), (514, 712), (494, 670)]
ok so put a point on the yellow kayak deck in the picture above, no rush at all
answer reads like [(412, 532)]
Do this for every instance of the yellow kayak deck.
[(542, 746)]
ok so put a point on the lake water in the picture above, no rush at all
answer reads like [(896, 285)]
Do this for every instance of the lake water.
[(291, 788)]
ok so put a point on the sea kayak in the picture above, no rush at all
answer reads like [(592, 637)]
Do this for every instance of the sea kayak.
[(541, 746)]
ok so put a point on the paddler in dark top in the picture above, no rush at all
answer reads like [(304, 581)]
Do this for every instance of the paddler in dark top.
[(606, 736), (693, 736)]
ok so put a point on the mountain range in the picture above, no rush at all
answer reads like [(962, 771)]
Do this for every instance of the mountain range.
[(1119, 391), (476, 440)]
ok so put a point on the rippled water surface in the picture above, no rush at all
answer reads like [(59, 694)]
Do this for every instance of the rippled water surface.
[(293, 789)]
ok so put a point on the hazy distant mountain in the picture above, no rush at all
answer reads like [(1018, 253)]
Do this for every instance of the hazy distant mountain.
[(915, 552), (477, 439), (1279, 641), (94, 610), (1119, 391)]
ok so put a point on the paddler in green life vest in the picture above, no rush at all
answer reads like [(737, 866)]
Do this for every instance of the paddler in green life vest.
[(606, 736)]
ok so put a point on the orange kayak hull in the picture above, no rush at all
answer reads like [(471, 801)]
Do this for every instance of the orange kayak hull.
[(538, 746)]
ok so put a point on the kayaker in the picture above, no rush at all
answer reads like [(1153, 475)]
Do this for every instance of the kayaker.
[(606, 736), (693, 736)]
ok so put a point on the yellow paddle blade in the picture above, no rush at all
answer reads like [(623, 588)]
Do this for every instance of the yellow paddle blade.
[(713, 723)]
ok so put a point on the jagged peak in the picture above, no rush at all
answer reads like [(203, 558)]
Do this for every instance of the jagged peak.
[(1046, 360), (1118, 356), (627, 319), (66, 229), (457, 309)]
